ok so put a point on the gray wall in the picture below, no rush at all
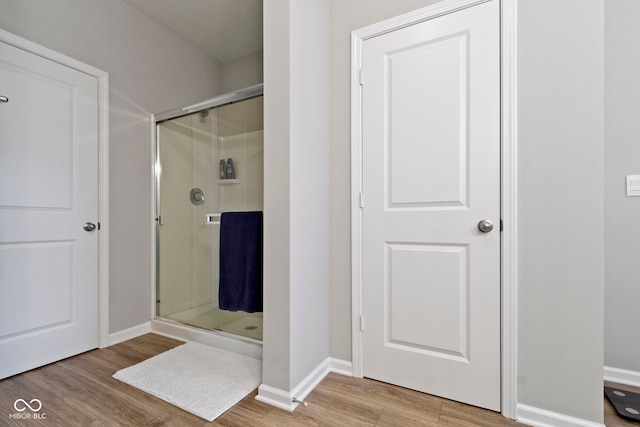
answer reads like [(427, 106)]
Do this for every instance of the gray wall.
[(241, 72), (296, 306), (622, 157), (309, 165), (276, 358), (150, 70), (561, 205)]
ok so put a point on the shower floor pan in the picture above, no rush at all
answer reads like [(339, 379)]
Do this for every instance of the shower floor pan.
[(234, 322)]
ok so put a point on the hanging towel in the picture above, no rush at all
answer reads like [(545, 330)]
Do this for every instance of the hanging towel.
[(240, 261)]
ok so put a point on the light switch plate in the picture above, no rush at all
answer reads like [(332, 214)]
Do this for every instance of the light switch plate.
[(633, 185)]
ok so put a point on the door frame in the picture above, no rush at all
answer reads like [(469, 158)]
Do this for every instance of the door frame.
[(508, 178), (103, 167)]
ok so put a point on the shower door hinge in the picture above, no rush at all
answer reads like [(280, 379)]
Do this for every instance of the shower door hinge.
[(361, 323), (160, 219)]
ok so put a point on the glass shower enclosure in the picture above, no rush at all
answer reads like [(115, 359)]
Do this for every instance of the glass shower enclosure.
[(208, 162)]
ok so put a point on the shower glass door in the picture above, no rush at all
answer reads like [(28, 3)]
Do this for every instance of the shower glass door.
[(193, 190)]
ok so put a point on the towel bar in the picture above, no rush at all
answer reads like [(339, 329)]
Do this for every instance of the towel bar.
[(212, 218)]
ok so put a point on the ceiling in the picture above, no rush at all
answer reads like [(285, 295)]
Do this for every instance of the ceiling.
[(225, 29)]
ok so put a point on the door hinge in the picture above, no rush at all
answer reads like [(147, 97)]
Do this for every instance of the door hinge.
[(361, 323), (361, 201), (501, 226), (360, 77), (160, 219)]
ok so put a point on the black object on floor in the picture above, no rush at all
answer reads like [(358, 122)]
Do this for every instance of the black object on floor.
[(627, 404)]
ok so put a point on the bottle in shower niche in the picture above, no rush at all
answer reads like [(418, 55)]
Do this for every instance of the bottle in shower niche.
[(223, 169), (231, 171)]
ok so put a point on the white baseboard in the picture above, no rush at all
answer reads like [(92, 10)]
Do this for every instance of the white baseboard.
[(310, 382), (130, 333), (284, 399), (537, 417), (622, 376), (276, 397), (342, 367)]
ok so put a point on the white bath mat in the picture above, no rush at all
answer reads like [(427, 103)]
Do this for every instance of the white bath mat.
[(198, 378)]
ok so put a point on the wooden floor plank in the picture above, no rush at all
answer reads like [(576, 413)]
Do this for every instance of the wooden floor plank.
[(396, 417), (383, 394), (456, 414), (80, 391)]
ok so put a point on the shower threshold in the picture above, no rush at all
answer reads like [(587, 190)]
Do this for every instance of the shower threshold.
[(234, 322), (220, 339)]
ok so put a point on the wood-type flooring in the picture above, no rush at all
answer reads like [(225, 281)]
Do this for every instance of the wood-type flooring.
[(80, 391)]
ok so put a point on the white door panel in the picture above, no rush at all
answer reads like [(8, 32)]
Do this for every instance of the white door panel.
[(48, 190), (431, 172), (443, 160)]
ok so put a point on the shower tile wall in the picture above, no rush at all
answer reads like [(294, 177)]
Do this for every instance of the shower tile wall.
[(241, 138), (247, 154)]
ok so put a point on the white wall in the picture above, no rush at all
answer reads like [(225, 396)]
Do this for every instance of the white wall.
[(622, 157), (561, 211), (296, 315), (150, 70)]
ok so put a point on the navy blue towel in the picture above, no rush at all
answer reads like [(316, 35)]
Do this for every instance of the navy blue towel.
[(240, 261)]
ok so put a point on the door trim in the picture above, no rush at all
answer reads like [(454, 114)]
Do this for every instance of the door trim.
[(103, 167), (509, 255), (509, 206)]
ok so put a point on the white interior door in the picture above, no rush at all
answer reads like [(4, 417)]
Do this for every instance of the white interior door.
[(48, 191), (431, 173)]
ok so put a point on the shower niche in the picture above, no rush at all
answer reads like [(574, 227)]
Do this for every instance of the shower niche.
[(193, 190)]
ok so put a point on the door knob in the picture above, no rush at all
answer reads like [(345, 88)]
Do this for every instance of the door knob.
[(485, 226), (89, 226)]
